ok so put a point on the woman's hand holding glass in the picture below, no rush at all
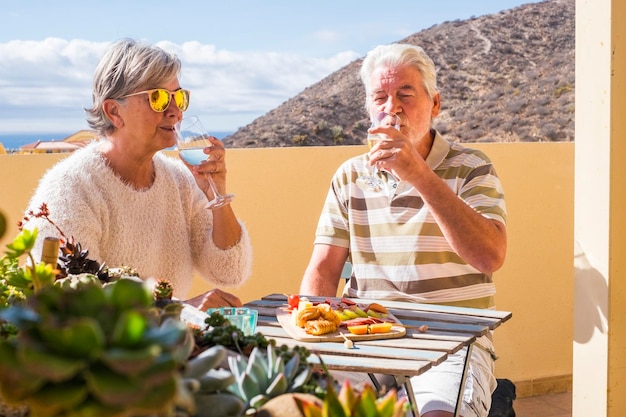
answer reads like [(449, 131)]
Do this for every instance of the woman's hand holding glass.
[(206, 155)]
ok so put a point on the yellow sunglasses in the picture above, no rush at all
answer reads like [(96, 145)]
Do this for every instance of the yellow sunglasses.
[(160, 98)]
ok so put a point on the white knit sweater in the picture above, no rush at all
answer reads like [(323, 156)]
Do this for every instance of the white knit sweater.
[(163, 231)]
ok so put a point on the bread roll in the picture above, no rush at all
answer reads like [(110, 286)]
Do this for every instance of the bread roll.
[(305, 315), (319, 327)]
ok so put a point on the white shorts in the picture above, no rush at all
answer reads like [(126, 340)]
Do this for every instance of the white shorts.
[(438, 388)]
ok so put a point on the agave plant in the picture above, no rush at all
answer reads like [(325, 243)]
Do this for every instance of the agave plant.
[(84, 348), (264, 376)]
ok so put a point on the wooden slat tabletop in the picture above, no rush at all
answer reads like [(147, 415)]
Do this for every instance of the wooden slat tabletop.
[(449, 330), (380, 365), (415, 311), (384, 348)]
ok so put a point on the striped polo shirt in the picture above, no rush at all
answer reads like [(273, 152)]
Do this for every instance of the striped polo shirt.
[(397, 250)]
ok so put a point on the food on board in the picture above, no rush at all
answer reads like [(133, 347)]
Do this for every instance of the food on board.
[(327, 317)]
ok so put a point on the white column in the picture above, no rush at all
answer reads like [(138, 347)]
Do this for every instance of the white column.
[(599, 387)]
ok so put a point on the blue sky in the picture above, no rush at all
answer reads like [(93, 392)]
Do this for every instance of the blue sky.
[(241, 58)]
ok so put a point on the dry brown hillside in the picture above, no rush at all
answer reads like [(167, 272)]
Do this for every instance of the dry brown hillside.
[(504, 77)]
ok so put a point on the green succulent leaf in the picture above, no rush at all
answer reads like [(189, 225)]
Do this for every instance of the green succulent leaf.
[(237, 365), (114, 389), (258, 359), (258, 400), (162, 368), (347, 396), (272, 359), (205, 361), (258, 372), (366, 406), (157, 399), (131, 361), (52, 399), (247, 386), (88, 298), (16, 277), (187, 390), (302, 378), (211, 405), (44, 274), (278, 386), (16, 383), (173, 310), (387, 405), (48, 364), (128, 294), (9, 364), (52, 300), (82, 337), (291, 367), (23, 243), (332, 407), (93, 408), (16, 391), (307, 407), (171, 334), (216, 380), (129, 329), (181, 352)]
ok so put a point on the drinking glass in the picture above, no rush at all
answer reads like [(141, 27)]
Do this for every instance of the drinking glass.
[(191, 139), (371, 182)]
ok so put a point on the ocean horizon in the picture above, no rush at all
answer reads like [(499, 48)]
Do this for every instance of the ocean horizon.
[(13, 141)]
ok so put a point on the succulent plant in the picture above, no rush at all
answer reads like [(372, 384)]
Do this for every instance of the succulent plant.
[(264, 376), (87, 349), (73, 261), (219, 330), (204, 387), (163, 293), (18, 282), (349, 403)]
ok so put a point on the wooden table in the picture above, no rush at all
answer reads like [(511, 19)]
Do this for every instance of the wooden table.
[(450, 329)]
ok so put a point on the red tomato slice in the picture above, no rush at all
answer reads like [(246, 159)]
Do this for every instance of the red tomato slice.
[(293, 300)]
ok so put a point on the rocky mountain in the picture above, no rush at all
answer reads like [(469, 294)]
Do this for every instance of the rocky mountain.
[(504, 77)]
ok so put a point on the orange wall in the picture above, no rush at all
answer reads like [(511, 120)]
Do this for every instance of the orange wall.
[(280, 191)]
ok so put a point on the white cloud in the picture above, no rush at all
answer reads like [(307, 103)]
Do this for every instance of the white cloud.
[(46, 81)]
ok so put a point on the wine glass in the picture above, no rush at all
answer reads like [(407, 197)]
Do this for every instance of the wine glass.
[(191, 139), (371, 182)]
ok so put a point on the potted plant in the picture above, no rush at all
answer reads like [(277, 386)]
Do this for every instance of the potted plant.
[(81, 339), (76, 346)]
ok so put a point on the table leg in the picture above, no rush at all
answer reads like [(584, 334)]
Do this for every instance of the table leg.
[(375, 382), (408, 387), (459, 399)]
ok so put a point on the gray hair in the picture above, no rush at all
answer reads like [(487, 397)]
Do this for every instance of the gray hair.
[(399, 54), (127, 66)]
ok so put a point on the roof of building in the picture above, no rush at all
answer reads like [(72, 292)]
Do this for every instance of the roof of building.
[(70, 143)]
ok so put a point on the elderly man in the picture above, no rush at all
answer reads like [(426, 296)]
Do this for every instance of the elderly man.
[(433, 233)]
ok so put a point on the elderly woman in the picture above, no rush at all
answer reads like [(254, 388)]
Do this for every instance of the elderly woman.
[(131, 205)]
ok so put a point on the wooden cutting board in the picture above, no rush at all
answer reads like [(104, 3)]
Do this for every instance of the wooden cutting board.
[(286, 321)]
